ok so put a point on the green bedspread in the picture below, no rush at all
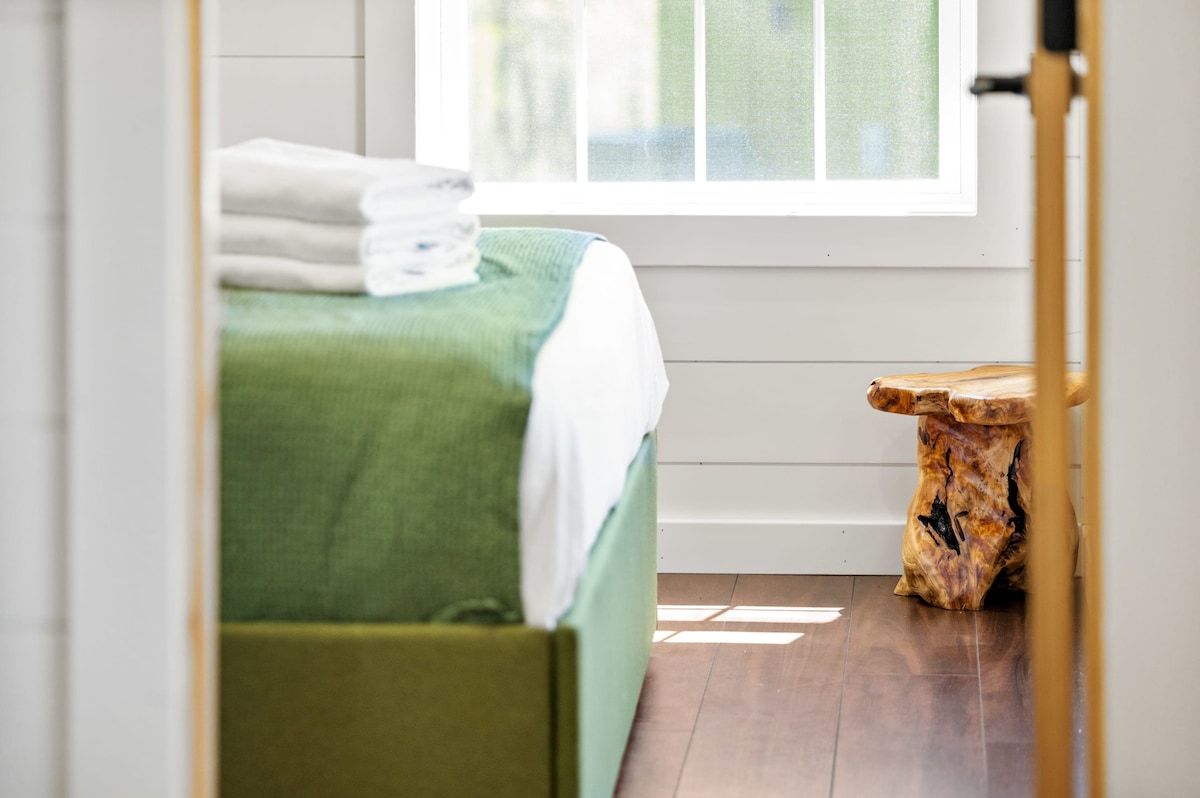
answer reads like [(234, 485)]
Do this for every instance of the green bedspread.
[(370, 447)]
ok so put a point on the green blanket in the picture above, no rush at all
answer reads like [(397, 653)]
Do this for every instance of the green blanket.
[(370, 447)]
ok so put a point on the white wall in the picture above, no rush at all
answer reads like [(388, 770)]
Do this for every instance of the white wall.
[(770, 457), (133, 512), (292, 69), (32, 409), (1150, 423), (95, 390)]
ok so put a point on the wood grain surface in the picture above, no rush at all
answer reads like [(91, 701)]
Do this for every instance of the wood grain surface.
[(780, 700), (893, 635), (983, 395), (878, 696), (970, 517), (916, 735)]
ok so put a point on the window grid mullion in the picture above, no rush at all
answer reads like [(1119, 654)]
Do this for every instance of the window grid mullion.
[(581, 92), (700, 101), (954, 186), (819, 152)]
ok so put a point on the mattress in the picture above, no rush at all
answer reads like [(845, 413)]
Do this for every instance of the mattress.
[(598, 388)]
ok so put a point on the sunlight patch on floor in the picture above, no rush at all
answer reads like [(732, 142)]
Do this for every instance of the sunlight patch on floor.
[(689, 613), (780, 615), (720, 614), (719, 636)]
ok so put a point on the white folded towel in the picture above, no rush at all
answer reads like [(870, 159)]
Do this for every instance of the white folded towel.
[(279, 178), (407, 243), (289, 274)]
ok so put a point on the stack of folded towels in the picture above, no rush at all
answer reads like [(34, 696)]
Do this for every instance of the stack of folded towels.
[(302, 218)]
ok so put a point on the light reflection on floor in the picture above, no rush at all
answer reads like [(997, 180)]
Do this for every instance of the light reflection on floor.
[(720, 614)]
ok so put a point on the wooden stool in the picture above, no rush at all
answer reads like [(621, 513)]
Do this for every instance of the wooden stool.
[(969, 518)]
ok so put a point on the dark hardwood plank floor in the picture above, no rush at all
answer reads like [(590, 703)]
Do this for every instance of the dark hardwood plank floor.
[(829, 686), (773, 691)]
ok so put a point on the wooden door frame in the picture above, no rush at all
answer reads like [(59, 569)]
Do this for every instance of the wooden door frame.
[(1091, 31), (203, 611), (1052, 84), (1050, 566)]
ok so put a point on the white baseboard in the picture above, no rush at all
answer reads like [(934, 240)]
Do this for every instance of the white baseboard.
[(785, 547), (779, 547)]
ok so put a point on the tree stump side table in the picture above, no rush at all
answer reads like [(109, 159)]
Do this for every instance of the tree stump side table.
[(968, 522)]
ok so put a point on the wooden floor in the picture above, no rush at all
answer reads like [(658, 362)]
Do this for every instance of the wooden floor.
[(829, 686)]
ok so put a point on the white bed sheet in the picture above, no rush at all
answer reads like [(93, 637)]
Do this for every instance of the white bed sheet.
[(598, 388)]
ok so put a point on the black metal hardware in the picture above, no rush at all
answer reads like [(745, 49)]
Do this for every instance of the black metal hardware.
[(1058, 25), (993, 85)]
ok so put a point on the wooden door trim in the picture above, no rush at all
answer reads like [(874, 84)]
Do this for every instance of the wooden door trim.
[(1050, 88), (202, 601), (1091, 29)]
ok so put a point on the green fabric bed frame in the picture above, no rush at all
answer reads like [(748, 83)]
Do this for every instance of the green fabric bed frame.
[(347, 710)]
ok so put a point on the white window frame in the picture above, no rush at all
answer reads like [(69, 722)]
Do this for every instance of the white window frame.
[(996, 236), (442, 137)]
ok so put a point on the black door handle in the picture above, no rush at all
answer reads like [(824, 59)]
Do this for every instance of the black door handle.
[(1058, 36), (985, 84)]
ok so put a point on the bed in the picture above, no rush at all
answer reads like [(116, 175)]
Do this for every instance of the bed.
[(501, 652)]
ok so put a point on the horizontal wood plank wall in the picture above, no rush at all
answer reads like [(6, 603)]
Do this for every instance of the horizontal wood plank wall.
[(293, 70), (326, 28), (770, 457)]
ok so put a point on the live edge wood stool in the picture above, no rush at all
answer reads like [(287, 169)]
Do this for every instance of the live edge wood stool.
[(968, 522)]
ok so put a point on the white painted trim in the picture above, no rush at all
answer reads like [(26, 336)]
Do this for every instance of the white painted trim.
[(390, 79), (998, 235), (441, 83), (206, 564), (962, 19), (581, 93), (820, 122), (700, 89), (856, 548), (780, 547), (130, 383), (946, 194)]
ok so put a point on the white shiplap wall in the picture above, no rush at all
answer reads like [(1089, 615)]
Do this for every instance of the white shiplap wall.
[(770, 457), (293, 70), (32, 415)]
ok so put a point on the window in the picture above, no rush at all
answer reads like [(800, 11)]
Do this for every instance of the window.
[(702, 107)]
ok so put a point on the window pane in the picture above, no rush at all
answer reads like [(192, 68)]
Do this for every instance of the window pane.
[(522, 89), (759, 60), (641, 71), (881, 66)]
